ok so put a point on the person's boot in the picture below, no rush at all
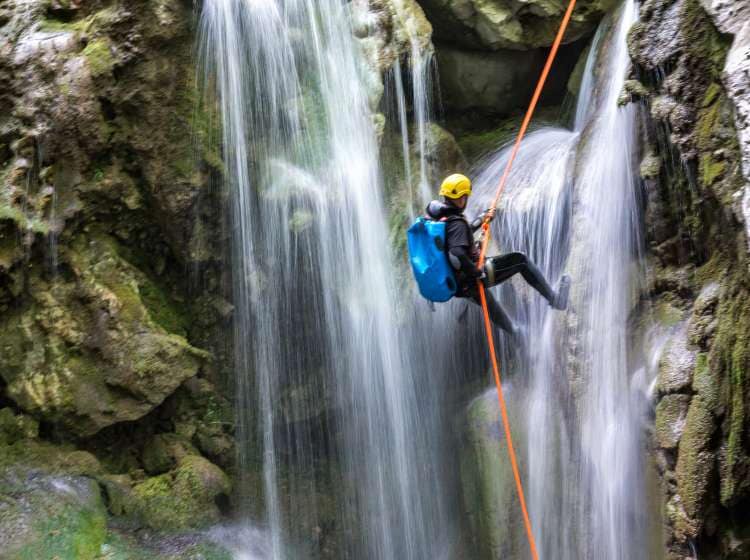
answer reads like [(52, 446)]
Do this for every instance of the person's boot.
[(561, 294)]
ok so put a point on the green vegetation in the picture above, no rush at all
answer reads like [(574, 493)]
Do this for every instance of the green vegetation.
[(99, 55)]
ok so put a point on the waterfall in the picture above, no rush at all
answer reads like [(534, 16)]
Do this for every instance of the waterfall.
[(605, 259), (572, 206), (327, 392)]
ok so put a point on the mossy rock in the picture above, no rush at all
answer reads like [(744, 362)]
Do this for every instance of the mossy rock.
[(44, 516), (487, 480), (505, 24), (671, 414), (181, 499), (16, 427), (677, 363), (696, 467), (189, 546), (63, 459), (89, 351), (163, 451)]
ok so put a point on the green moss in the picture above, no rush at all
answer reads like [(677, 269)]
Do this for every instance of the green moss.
[(667, 314), (21, 221), (712, 94), (711, 170), (696, 463), (180, 499), (55, 25), (708, 121), (99, 55), (72, 534), (478, 144), (162, 310)]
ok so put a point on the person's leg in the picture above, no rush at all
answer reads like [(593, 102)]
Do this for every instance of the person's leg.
[(503, 267), (497, 314)]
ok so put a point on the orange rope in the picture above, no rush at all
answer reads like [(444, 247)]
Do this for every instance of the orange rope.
[(483, 296)]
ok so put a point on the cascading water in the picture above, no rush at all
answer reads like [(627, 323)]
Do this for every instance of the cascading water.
[(316, 328), (572, 205), (605, 256)]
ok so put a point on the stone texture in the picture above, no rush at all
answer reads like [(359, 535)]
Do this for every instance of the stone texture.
[(676, 365), (390, 32), (509, 24), (487, 480), (180, 499), (671, 414), (45, 516), (90, 352), (499, 82), (733, 17), (696, 468), (686, 56)]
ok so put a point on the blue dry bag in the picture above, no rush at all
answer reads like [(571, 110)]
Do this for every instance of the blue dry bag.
[(433, 272)]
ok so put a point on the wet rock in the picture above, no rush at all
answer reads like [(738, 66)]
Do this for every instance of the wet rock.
[(487, 482), (163, 451), (671, 414), (509, 24), (703, 321), (677, 363), (696, 468), (442, 153), (390, 32), (497, 82), (180, 499), (733, 17), (46, 516), (94, 351), (15, 427), (204, 418)]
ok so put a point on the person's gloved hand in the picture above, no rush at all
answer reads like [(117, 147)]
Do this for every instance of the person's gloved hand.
[(489, 214)]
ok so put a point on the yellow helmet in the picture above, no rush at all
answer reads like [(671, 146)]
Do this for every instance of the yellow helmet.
[(455, 186)]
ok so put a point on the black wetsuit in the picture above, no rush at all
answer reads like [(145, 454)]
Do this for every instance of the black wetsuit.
[(463, 253)]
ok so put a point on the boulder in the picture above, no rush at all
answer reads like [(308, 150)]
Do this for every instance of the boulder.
[(389, 31), (510, 24), (181, 499), (677, 363), (50, 516), (696, 469), (671, 414), (487, 481), (496, 82), (92, 350), (733, 18)]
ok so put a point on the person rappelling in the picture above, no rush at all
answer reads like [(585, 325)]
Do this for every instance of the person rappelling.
[(444, 257)]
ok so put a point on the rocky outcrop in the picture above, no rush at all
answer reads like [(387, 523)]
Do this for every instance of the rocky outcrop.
[(389, 32), (509, 24), (495, 82), (733, 18), (97, 349), (487, 482), (110, 352), (693, 172)]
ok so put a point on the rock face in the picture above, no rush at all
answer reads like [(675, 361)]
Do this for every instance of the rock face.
[(478, 80), (389, 32), (734, 18), (43, 516), (487, 481), (509, 24), (688, 68), (106, 341), (91, 352)]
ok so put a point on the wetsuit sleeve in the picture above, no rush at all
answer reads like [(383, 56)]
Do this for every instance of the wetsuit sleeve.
[(458, 239)]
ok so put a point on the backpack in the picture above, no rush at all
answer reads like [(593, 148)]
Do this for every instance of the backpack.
[(432, 271)]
